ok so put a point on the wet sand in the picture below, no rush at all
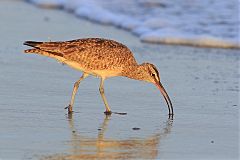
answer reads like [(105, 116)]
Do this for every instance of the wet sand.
[(202, 83)]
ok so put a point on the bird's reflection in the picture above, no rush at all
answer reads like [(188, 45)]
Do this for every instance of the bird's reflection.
[(106, 148)]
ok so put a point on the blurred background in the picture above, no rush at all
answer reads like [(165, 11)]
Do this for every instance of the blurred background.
[(208, 23)]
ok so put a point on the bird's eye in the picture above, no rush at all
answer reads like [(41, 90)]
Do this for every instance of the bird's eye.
[(152, 74)]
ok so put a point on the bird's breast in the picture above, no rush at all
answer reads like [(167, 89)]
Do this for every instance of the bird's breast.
[(105, 73)]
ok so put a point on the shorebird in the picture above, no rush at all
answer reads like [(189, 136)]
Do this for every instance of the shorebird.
[(102, 58)]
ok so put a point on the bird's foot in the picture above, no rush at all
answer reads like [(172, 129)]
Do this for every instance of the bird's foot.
[(69, 107), (108, 112), (120, 113)]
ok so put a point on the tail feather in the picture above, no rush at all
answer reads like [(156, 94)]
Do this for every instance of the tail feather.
[(44, 53), (42, 48), (32, 43), (32, 51)]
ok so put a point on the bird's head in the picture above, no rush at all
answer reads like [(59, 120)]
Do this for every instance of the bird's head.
[(150, 74)]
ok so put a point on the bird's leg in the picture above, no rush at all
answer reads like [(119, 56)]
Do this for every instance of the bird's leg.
[(75, 88), (101, 90)]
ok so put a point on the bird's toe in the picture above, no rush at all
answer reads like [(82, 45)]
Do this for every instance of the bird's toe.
[(108, 112), (69, 108)]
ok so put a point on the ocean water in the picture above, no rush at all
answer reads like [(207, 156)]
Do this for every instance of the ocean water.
[(208, 23)]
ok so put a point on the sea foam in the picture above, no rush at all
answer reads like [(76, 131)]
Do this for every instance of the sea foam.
[(48, 3), (160, 21)]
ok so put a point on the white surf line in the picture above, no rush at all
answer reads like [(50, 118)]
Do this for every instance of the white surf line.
[(88, 9)]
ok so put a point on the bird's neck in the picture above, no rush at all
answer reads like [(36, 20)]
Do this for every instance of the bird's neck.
[(134, 72)]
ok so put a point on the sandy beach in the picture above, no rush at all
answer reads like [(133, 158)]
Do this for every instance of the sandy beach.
[(203, 84)]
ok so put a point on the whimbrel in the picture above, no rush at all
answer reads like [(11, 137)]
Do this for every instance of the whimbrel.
[(102, 58)]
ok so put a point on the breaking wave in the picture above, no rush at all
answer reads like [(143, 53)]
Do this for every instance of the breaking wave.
[(194, 23)]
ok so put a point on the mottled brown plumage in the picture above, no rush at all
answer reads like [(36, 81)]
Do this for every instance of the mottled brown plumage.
[(99, 57)]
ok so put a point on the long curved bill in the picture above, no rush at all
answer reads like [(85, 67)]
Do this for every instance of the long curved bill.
[(166, 97)]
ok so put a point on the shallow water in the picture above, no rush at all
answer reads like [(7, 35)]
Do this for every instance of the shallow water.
[(203, 85)]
